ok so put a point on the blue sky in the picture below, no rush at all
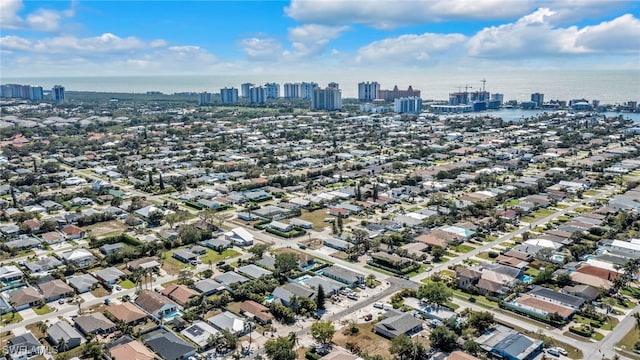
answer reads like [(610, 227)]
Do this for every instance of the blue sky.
[(96, 38)]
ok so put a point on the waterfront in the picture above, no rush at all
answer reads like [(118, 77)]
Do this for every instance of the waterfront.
[(520, 114), (608, 86)]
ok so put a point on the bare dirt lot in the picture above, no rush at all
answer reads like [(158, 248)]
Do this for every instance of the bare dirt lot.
[(106, 229)]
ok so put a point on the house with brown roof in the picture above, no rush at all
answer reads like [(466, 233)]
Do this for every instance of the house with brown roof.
[(54, 290), (467, 277), (52, 237), (126, 312), (179, 293), (605, 274), (33, 224), (257, 311), (25, 298), (73, 232), (156, 304), (132, 350)]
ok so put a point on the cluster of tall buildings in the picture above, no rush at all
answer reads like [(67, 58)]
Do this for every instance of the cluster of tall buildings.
[(329, 98), (28, 92), (369, 91)]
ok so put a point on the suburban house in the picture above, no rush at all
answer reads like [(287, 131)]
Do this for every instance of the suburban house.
[(184, 255), (52, 237), (156, 304), (256, 311), (111, 248), (179, 293), (168, 345), (94, 323), (506, 343), (24, 346), (396, 323), (217, 244), (284, 293), (44, 264), (338, 244), (229, 278), (208, 287), (54, 290), (62, 331), (82, 283), (199, 333), (79, 257), (338, 212), (25, 297), (73, 232), (239, 237), (343, 275), (9, 273), (229, 321), (131, 350), (146, 263), (109, 276), (253, 271), (126, 312)]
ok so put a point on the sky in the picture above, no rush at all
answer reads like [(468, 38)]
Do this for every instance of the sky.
[(108, 38)]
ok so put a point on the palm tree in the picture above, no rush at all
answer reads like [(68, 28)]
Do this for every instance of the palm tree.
[(62, 345), (293, 338), (636, 316)]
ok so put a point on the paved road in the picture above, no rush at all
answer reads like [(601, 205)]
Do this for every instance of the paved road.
[(513, 234), (606, 347)]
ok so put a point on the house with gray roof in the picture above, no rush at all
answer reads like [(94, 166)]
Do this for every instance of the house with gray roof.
[(65, 332), (396, 323), (208, 286), (54, 290), (217, 243), (24, 346), (349, 277), (284, 293), (168, 345), (329, 286), (94, 323), (229, 321), (109, 276), (507, 343), (556, 297), (185, 255), (111, 248), (23, 242), (230, 278), (253, 271), (82, 283)]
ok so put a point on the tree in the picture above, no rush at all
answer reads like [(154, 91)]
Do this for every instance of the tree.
[(322, 332), (435, 292), (405, 349), (442, 338), (150, 178), (258, 250), (340, 223), (285, 263), (370, 280), (280, 348), (161, 182), (480, 321), (472, 347), (320, 298), (185, 276), (155, 218), (62, 345), (437, 252), (563, 279)]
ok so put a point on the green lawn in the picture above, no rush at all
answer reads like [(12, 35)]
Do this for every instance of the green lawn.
[(597, 336), (462, 248), (127, 284), (215, 256), (317, 218), (562, 206), (590, 193), (10, 318), (379, 270), (42, 310), (630, 339), (420, 270), (532, 272), (610, 323)]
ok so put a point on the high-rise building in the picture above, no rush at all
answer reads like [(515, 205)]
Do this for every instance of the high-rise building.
[(368, 91), (292, 90), (459, 98), (57, 93), (204, 98), (229, 95), (408, 105), (258, 94), (538, 99), (246, 90), (36, 93), (273, 90), (21, 92), (334, 85), (497, 97), (306, 90), (326, 99), (390, 95)]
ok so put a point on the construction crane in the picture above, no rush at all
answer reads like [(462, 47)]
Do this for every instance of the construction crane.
[(466, 88), (483, 81)]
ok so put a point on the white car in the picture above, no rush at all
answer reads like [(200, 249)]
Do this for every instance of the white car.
[(562, 351)]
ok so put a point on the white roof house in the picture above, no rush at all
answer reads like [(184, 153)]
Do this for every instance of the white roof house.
[(239, 237)]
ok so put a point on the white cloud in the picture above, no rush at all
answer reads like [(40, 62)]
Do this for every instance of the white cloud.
[(312, 39), (105, 43), (390, 14), (40, 20), (261, 49), (535, 36), (618, 35), (410, 48)]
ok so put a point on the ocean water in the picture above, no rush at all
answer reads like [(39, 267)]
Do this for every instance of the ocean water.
[(608, 86)]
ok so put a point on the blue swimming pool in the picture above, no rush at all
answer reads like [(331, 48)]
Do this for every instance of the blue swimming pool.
[(269, 299), (171, 316), (526, 278), (303, 278)]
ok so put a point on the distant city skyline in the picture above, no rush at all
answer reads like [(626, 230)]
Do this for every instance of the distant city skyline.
[(300, 38)]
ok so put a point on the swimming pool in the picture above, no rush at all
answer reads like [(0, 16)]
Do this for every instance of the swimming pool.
[(269, 299), (320, 272), (303, 278), (171, 316), (526, 278)]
